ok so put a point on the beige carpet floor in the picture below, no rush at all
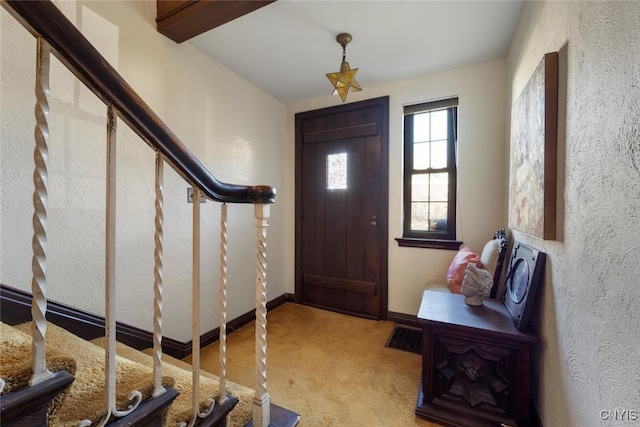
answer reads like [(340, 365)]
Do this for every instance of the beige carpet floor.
[(332, 369)]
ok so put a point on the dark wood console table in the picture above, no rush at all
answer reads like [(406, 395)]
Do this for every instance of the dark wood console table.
[(475, 363)]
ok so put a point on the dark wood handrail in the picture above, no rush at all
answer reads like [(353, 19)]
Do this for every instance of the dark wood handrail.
[(43, 19)]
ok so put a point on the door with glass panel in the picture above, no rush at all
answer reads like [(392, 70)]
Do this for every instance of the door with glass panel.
[(341, 208)]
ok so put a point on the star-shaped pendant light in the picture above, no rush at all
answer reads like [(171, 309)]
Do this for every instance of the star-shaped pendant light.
[(344, 81)]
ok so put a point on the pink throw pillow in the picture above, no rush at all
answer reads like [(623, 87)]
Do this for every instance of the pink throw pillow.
[(458, 266)]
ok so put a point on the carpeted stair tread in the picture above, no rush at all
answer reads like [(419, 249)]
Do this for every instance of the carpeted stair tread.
[(15, 363), (181, 409), (15, 358), (242, 413), (86, 396), (233, 388)]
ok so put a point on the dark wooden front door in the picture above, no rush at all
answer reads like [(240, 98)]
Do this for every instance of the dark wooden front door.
[(341, 208)]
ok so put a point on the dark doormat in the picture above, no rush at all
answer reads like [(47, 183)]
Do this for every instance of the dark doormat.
[(406, 339)]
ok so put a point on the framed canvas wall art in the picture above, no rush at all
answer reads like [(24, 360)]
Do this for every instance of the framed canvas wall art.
[(533, 164)]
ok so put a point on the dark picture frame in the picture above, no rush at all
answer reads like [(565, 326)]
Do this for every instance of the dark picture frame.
[(523, 278)]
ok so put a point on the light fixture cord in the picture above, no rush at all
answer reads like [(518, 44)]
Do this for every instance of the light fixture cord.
[(344, 52)]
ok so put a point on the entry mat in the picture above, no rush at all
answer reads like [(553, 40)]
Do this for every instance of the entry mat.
[(406, 339)]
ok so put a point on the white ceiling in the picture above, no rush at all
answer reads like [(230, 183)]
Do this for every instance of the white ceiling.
[(287, 47)]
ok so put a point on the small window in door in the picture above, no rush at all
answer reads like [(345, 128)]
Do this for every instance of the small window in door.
[(337, 171)]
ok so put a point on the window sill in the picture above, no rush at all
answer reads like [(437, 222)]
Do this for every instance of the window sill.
[(412, 242)]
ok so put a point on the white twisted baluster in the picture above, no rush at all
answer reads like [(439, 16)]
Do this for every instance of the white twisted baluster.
[(195, 346), (39, 243), (135, 397), (223, 303), (157, 275), (261, 399)]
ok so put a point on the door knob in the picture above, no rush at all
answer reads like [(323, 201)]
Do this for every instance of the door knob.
[(373, 222)]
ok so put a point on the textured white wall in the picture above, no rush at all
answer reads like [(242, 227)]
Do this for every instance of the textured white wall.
[(481, 201), (589, 323), (235, 129)]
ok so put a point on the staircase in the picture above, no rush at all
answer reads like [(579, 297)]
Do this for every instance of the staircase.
[(49, 376), (81, 402)]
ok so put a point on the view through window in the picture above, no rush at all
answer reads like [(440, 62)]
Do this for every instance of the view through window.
[(430, 135)]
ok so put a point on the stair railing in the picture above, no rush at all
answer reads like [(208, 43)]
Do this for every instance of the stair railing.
[(56, 34)]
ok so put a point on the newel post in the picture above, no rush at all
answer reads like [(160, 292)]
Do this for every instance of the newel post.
[(261, 399)]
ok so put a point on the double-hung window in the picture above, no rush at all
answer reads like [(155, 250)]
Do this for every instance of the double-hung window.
[(430, 137)]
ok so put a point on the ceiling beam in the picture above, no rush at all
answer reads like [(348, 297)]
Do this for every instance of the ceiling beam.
[(181, 20)]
